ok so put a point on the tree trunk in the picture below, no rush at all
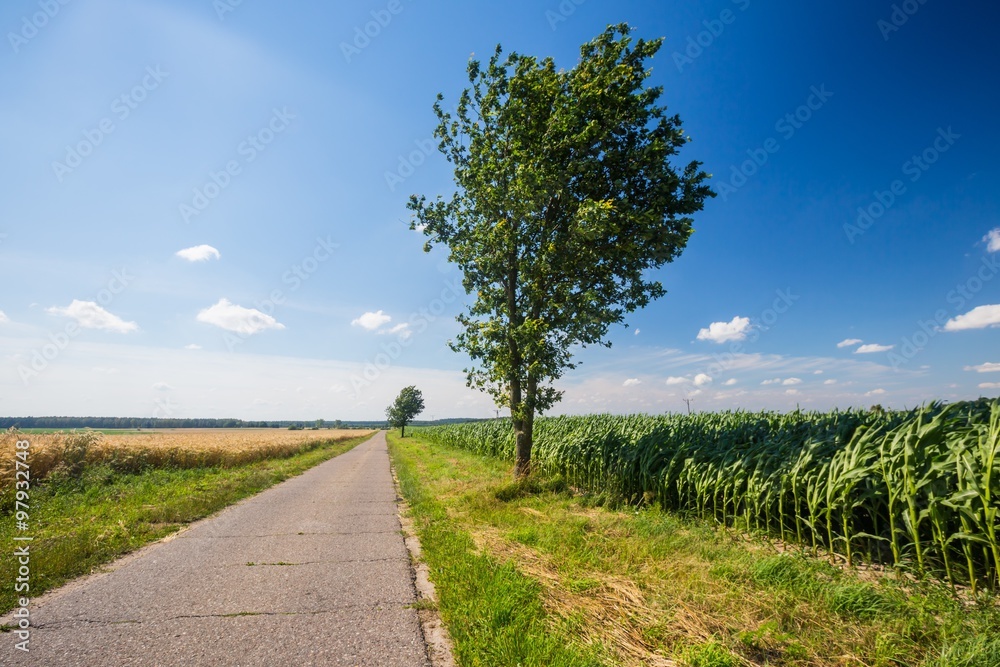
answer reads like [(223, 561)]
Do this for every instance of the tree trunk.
[(522, 427), (402, 431), (524, 433), (522, 439), (522, 446)]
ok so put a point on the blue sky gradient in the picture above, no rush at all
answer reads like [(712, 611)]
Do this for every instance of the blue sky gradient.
[(288, 140)]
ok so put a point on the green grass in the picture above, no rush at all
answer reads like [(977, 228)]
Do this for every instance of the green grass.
[(79, 524), (709, 654), (533, 573), (494, 613)]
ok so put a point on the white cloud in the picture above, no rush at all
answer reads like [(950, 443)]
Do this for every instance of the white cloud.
[(676, 380), (790, 382), (161, 386), (876, 392), (988, 367), (199, 253), (376, 321), (91, 316), (817, 372), (722, 332), (696, 392), (792, 392), (636, 332), (730, 382), (402, 329), (724, 395), (849, 342), (989, 385), (631, 382), (700, 380), (3, 317), (992, 240), (232, 317), (829, 382), (872, 348), (371, 321), (977, 318), (192, 346)]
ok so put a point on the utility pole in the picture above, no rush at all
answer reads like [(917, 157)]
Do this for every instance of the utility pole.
[(688, 402)]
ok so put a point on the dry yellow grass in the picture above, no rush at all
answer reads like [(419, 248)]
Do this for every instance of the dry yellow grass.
[(182, 448), (615, 612)]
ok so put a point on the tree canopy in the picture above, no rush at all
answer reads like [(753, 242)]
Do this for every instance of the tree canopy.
[(565, 200)]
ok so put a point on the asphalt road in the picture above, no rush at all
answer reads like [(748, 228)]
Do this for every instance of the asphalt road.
[(313, 571)]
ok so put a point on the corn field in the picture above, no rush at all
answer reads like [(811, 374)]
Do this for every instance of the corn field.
[(919, 490)]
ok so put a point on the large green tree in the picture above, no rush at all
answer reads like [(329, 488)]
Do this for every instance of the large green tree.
[(565, 200), (407, 405)]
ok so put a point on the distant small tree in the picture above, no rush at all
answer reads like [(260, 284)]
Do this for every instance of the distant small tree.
[(407, 405)]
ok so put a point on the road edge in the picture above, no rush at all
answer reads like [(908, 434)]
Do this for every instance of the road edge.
[(437, 639)]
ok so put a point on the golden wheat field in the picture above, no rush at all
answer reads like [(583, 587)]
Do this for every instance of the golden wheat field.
[(134, 450)]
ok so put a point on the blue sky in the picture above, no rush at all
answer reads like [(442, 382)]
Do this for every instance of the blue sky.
[(849, 259)]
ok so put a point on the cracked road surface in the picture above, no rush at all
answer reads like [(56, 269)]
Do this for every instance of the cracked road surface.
[(313, 571)]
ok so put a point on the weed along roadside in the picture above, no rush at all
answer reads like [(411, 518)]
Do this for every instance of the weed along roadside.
[(540, 572), (494, 613), (92, 501)]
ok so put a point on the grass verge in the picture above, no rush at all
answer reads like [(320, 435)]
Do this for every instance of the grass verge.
[(80, 523), (494, 613), (531, 573)]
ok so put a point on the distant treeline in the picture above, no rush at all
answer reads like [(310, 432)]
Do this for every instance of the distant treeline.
[(152, 422)]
